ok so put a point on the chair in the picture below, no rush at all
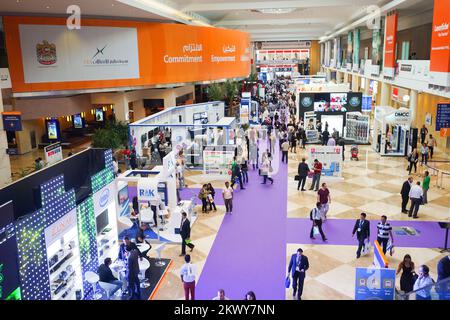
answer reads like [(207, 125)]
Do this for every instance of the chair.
[(158, 250), (108, 287), (93, 279), (146, 215), (124, 223)]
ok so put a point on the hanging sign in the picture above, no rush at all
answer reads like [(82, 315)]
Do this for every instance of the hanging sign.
[(12, 121), (440, 45), (147, 189), (390, 42)]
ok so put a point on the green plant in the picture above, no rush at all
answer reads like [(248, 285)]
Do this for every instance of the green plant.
[(113, 136), (215, 92), (231, 89)]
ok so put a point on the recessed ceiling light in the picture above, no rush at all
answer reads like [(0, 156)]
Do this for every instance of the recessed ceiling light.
[(48, 7), (112, 4)]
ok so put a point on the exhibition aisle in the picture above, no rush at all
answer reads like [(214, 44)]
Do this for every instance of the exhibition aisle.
[(249, 250)]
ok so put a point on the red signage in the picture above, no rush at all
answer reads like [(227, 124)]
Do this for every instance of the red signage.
[(389, 43), (440, 44)]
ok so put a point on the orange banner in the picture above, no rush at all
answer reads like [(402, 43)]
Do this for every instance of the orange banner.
[(390, 41), (165, 53), (440, 44)]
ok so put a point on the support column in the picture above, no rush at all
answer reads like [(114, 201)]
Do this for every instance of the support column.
[(414, 95), (5, 164), (367, 86), (385, 93), (121, 109), (355, 83)]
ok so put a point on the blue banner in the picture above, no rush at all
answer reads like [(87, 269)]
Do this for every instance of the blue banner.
[(443, 116), (366, 103), (375, 284), (12, 121)]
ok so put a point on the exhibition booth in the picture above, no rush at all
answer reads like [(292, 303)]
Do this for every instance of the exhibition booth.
[(328, 110), (331, 159), (187, 130), (156, 195), (391, 129), (64, 219)]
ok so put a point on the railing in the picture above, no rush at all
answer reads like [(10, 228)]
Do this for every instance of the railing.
[(439, 291), (434, 171)]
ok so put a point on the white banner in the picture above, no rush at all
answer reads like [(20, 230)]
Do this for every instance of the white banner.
[(53, 153), (60, 227), (147, 189), (330, 157), (104, 197), (169, 163), (5, 79), (53, 53)]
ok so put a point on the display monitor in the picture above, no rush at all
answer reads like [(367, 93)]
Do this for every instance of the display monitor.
[(102, 221), (321, 102), (201, 118), (123, 195), (99, 116), (338, 102), (52, 129), (77, 121)]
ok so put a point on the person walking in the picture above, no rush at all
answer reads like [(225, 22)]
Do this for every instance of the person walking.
[(415, 194), (298, 266), (331, 142), (203, 196), (187, 274), (413, 158), (303, 137), (423, 134), (324, 198), (317, 167), (294, 142), (424, 152), (265, 170), (134, 287), (341, 143), (316, 216), (406, 187), (185, 233), (211, 195), (244, 170), (423, 282), (325, 137), (407, 278), (285, 150), (236, 174), (425, 187), (227, 194), (431, 145), (362, 230), (384, 231), (303, 170)]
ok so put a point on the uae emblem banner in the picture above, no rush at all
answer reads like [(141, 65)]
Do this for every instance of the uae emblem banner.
[(440, 45)]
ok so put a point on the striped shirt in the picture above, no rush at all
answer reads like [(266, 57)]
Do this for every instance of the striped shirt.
[(383, 230)]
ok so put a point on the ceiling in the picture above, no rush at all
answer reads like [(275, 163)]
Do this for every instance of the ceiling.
[(265, 20)]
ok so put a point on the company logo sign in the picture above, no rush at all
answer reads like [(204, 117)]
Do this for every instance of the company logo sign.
[(354, 102), (406, 67), (307, 102), (46, 53), (104, 198), (150, 193), (99, 58)]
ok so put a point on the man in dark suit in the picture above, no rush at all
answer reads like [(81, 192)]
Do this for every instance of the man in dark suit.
[(133, 273), (123, 248), (185, 232), (362, 230), (106, 275), (303, 170), (405, 193), (443, 270), (297, 268)]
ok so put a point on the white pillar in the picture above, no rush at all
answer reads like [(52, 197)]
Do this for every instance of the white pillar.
[(367, 86), (121, 109), (385, 98), (413, 98), (5, 164)]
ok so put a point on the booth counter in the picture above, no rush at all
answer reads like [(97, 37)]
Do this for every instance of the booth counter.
[(391, 129)]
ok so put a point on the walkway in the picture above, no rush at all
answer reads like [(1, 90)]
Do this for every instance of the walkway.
[(249, 250)]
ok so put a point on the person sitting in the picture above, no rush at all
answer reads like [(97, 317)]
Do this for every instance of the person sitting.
[(105, 274)]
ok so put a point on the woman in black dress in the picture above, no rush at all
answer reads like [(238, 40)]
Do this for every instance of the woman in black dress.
[(407, 278), (211, 196)]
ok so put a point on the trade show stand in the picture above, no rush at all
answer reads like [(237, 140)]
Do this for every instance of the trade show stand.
[(65, 225), (156, 187), (331, 159)]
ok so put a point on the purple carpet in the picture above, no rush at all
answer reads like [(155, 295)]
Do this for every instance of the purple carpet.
[(249, 250), (339, 232)]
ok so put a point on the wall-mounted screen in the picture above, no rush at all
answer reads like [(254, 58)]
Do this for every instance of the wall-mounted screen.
[(77, 121), (99, 116), (338, 102), (321, 102), (201, 118), (102, 221)]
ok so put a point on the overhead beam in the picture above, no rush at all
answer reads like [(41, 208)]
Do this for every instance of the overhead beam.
[(281, 22), (284, 38), (226, 6), (284, 30)]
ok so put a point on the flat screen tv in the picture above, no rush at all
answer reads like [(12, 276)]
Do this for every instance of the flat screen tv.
[(77, 121), (338, 102), (102, 221), (321, 102), (52, 126), (99, 116)]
